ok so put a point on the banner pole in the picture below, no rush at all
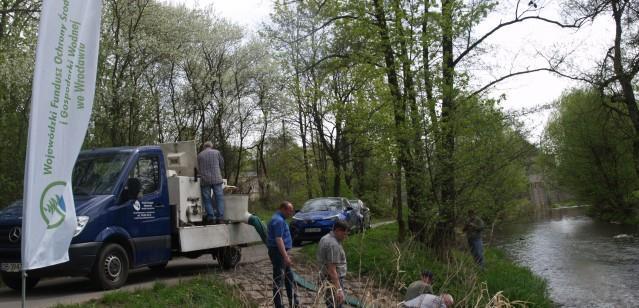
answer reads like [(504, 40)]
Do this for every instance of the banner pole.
[(24, 287)]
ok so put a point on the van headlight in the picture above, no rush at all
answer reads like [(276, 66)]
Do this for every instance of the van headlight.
[(334, 218), (82, 222)]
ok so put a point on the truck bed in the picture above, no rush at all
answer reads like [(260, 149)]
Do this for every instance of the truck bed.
[(193, 238)]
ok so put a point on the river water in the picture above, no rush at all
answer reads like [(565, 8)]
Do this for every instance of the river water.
[(583, 262)]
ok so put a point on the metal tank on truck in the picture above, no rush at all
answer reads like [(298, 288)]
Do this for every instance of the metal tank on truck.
[(136, 207)]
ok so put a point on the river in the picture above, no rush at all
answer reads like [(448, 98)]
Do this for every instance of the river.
[(583, 262)]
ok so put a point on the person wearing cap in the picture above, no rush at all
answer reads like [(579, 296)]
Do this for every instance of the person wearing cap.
[(332, 260), (422, 286)]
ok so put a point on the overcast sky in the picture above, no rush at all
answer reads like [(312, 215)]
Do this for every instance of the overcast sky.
[(515, 48)]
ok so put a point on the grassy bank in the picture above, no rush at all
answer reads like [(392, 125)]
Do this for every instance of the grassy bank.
[(204, 291), (377, 255)]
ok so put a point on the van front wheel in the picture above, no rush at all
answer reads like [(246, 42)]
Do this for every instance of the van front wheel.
[(111, 268)]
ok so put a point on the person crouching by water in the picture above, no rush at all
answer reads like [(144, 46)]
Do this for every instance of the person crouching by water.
[(332, 261), (473, 228), (279, 242), (422, 286)]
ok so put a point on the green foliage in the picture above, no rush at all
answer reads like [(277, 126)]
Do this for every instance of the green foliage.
[(389, 107), (587, 150), (491, 157), (287, 178), (17, 51), (170, 73), (200, 292), (378, 255), (165, 73)]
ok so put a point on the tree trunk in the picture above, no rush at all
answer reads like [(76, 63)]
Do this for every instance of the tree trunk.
[(262, 177), (322, 164), (359, 171), (398, 203), (337, 178), (404, 140), (302, 125), (445, 228), (625, 81), (239, 159), (415, 173)]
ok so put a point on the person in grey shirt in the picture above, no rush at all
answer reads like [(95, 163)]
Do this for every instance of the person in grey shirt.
[(430, 301), (332, 261), (210, 165)]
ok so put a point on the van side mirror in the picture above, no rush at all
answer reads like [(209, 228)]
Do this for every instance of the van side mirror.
[(131, 190), (349, 208)]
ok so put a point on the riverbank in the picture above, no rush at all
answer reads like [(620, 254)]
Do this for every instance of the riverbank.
[(379, 271), (629, 217), (377, 255)]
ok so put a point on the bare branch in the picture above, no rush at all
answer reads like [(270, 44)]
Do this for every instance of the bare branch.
[(502, 78), (502, 25), (552, 68), (322, 26), (325, 58)]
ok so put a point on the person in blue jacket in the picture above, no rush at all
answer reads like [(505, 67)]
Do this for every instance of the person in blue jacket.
[(279, 242)]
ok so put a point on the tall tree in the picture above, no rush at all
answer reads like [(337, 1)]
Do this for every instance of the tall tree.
[(588, 152), (18, 28), (616, 75)]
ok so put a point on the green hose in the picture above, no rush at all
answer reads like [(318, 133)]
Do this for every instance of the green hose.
[(300, 281), (259, 226)]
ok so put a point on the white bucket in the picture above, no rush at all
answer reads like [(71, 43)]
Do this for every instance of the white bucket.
[(236, 207)]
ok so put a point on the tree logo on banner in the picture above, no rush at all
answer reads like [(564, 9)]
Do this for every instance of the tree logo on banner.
[(52, 207)]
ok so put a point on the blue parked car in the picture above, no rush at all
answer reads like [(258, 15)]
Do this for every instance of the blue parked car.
[(317, 217)]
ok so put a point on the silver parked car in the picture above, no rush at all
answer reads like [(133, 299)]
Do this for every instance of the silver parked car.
[(362, 212)]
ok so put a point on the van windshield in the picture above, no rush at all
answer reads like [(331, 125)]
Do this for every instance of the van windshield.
[(97, 174)]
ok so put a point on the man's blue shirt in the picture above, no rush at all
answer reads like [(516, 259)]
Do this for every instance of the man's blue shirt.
[(278, 227)]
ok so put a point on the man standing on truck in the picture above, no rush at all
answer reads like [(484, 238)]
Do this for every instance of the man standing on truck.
[(210, 164), (279, 242)]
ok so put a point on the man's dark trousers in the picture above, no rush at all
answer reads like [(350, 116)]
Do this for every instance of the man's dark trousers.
[(281, 272), (477, 250)]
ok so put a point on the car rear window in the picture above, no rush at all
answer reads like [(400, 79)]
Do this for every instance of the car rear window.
[(322, 205)]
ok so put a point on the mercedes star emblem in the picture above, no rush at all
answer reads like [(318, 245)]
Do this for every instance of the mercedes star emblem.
[(14, 235)]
